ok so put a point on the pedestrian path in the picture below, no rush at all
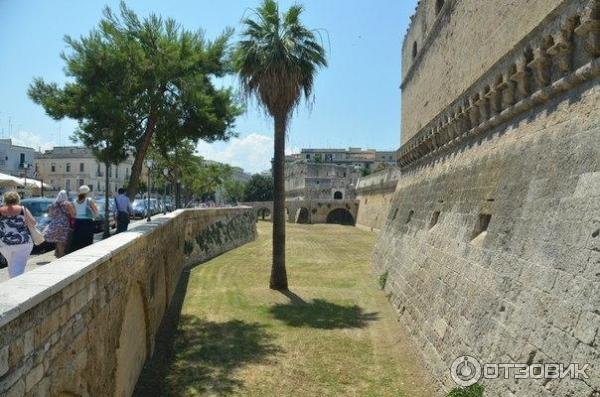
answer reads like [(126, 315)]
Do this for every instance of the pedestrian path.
[(36, 261)]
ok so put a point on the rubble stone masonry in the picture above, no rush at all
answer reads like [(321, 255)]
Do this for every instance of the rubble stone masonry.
[(84, 324)]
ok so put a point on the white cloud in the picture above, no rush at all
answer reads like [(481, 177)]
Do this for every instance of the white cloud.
[(253, 152), (30, 139)]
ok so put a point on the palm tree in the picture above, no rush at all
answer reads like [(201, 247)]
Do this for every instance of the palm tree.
[(277, 61)]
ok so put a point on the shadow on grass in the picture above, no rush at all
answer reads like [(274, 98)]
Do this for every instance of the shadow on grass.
[(208, 353), (197, 357), (320, 314)]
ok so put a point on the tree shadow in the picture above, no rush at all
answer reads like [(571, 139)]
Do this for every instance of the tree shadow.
[(208, 353), (193, 356), (321, 314)]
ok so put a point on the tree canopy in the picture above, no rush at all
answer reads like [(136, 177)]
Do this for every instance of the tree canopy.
[(259, 188), (149, 80)]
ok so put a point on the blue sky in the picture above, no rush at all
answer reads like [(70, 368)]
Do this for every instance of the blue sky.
[(357, 99)]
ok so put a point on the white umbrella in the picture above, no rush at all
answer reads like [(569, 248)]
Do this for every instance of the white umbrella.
[(9, 181), (33, 182)]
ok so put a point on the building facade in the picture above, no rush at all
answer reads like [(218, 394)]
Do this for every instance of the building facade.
[(490, 248), (68, 167), (316, 181), (16, 160), (368, 159)]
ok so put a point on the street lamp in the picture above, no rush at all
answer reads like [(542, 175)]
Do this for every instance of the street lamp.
[(149, 164), (166, 174), (25, 166)]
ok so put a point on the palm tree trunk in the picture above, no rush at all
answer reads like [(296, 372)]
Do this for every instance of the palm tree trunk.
[(278, 273)]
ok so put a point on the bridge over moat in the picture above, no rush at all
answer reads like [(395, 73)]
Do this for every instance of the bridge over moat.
[(341, 212)]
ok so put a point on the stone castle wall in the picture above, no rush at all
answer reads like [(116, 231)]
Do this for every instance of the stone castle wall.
[(84, 324), (491, 245), (375, 193), (446, 63)]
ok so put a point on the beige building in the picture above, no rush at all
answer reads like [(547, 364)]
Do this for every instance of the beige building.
[(369, 159), (68, 167)]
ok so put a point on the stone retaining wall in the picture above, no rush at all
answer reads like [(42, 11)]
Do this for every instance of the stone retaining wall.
[(84, 324), (375, 193)]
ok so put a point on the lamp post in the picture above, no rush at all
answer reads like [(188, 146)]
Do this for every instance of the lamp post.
[(25, 167), (149, 164), (166, 174)]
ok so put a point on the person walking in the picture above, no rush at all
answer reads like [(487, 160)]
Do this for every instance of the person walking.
[(15, 239), (124, 210), (85, 213), (59, 229)]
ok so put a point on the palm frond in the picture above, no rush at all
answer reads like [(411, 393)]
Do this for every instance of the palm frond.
[(278, 58)]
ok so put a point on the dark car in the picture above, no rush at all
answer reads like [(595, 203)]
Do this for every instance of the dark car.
[(139, 208), (39, 209)]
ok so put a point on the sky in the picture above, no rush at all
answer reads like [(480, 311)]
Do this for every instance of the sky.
[(357, 97)]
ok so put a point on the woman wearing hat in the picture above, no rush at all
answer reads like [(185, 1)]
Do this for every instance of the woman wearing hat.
[(85, 213)]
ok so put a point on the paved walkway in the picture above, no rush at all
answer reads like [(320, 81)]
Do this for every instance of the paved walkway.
[(44, 259)]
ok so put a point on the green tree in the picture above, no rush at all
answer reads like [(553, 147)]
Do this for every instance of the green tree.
[(155, 78), (277, 61), (234, 190), (209, 177), (259, 188)]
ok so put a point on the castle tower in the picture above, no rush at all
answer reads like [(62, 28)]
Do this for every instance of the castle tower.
[(492, 242)]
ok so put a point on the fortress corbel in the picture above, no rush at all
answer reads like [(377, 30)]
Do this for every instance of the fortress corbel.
[(520, 77), (507, 91), (541, 67), (589, 29)]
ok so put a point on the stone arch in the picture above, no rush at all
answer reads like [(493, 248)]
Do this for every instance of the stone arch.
[(338, 195), (264, 213), (340, 216), (302, 215), (132, 349)]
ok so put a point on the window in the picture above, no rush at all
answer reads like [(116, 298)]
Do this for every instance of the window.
[(68, 184), (22, 159), (68, 167), (52, 167), (439, 4), (482, 225), (109, 171), (338, 195), (415, 50), (81, 182), (126, 172), (410, 215), (116, 171), (434, 219), (81, 167)]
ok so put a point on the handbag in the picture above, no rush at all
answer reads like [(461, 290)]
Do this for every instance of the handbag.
[(34, 232), (36, 235)]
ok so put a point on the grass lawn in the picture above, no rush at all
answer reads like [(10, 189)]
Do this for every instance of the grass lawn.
[(333, 334)]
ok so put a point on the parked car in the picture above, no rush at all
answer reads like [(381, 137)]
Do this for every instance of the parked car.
[(39, 209), (139, 208), (112, 220)]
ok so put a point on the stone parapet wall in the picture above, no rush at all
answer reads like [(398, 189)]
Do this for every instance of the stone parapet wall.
[(556, 56), (375, 193), (84, 324), (493, 250)]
